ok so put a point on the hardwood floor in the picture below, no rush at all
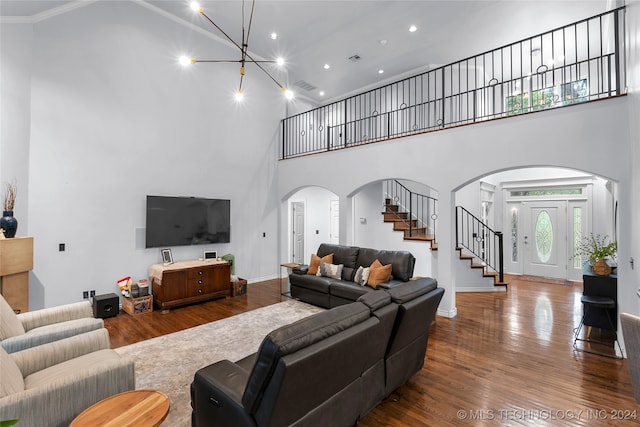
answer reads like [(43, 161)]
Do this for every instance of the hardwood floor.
[(506, 359)]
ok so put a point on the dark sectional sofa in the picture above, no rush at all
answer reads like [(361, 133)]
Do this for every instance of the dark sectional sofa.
[(329, 369), (328, 292)]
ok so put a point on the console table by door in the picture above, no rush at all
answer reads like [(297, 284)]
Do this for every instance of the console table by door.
[(188, 282), (601, 286)]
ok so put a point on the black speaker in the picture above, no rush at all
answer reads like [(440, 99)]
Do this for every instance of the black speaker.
[(107, 305)]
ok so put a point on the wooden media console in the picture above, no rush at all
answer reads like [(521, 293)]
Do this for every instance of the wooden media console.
[(187, 282)]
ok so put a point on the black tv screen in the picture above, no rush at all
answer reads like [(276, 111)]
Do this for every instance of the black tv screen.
[(181, 221)]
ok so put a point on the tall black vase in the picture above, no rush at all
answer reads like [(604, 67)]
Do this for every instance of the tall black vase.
[(9, 224)]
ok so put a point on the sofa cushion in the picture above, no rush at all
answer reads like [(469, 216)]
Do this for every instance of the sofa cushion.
[(330, 270), (293, 337), (70, 368), (412, 289), (375, 299), (348, 290), (402, 262), (362, 275), (379, 274), (11, 380), (315, 262), (345, 255), (10, 326)]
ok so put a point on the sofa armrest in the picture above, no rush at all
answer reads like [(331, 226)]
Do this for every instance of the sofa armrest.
[(41, 357), (48, 316), (302, 269), (59, 402), (50, 333), (216, 396)]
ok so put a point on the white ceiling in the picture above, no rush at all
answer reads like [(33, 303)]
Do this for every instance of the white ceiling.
[(312, 33)]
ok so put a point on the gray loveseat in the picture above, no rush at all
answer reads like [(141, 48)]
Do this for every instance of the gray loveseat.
[(328, 292)]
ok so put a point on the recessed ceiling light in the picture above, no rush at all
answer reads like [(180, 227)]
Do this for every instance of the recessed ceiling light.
[(413, 29), (383, 42), (274, 36), (280, 61), (380, 71), (321, 93), (327, 66)]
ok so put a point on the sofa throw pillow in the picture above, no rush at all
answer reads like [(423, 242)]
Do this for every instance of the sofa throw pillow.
[(362, 275), (378, 273), (330, 270), (315, 262)]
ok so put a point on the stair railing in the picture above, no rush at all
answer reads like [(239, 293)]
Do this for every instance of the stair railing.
[(479, 239), (421, 209)]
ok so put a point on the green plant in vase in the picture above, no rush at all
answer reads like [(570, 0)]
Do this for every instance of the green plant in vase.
[(596, 250)]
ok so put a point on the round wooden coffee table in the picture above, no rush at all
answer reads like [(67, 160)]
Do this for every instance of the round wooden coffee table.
[(132, 408)]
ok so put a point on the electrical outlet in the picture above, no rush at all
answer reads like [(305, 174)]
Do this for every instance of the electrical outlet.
[(61, 247), (85, 294), (92, 293)]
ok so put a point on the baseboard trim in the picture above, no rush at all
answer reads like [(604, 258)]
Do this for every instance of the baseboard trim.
[(448, 313)]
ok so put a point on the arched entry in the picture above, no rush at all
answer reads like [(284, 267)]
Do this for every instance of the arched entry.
[(311, 219), (544, 212)]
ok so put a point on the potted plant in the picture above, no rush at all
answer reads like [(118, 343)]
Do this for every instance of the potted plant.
[(596, 250), (8, 223)]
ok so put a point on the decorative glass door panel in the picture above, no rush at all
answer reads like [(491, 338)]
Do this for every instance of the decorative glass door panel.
[(545, 239)]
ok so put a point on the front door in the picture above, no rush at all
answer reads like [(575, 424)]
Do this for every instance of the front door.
[(545, 239)]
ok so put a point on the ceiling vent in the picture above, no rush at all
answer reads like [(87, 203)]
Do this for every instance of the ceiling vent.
[(304, 85), (355, 58)]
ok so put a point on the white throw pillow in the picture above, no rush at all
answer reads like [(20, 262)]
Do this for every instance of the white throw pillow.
[(362, 275), (330, 270)]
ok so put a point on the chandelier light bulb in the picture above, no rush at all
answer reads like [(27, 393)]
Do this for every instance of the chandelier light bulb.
[(280, 61), (239, 95), (195, 6), (287, 93), (186, 61)]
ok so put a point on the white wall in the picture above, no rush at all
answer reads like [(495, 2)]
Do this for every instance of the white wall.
[(630, 248), (114, 118), (15, 103), (591, 137)]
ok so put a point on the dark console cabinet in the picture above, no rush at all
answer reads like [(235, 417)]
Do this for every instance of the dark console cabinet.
[(189, 281), (601, 286)]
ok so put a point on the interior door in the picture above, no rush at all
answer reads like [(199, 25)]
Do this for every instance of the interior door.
[(297, 221), (545, 239), (334, 212)]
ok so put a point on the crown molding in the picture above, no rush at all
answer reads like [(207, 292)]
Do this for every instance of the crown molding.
[(16, 19), (42, 16)]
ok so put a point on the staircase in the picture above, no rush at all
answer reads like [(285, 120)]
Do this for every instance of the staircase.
[(481, 245), (476, 263), (411, 228)]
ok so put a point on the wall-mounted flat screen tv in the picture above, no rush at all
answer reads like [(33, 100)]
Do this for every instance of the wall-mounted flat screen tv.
[(181, 221)]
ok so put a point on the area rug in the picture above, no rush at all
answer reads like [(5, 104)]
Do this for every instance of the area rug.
[(547, 280), (168, 363)]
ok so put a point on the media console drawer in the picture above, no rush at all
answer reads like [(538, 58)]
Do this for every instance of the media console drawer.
[(188, 282)]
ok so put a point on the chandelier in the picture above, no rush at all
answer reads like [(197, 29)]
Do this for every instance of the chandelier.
[(245, 57)]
